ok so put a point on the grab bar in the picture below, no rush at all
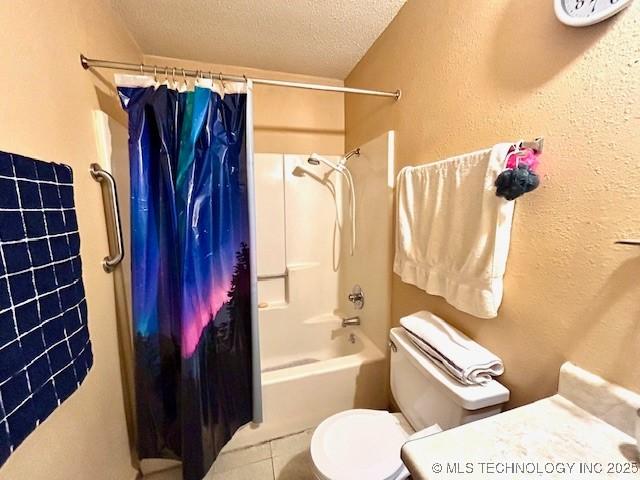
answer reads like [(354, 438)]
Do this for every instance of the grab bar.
[(110, 262), (271, 276)]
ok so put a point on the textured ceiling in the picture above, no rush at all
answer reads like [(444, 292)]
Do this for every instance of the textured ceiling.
[(314, 37)]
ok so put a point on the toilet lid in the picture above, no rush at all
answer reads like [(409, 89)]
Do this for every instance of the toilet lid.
[(358, 444)]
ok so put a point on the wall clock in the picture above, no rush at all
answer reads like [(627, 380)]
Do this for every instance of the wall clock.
[(580, 13)]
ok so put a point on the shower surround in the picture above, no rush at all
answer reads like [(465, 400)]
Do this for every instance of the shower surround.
[(312, 367)]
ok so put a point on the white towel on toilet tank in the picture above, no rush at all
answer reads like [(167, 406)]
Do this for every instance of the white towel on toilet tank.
[(451, 350), (453, 232)]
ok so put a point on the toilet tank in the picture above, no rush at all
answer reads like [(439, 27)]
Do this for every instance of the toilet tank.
[(426, 395)]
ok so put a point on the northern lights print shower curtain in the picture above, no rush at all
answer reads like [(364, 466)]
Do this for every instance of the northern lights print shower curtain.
[(193, 268)]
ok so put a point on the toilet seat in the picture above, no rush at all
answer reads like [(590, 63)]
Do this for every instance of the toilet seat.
[(358, 444)]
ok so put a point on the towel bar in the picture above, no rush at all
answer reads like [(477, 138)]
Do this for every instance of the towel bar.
[(627, 241), (110, 262)]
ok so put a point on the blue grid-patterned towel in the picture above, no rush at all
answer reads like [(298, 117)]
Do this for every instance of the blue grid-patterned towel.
[(45, 351)]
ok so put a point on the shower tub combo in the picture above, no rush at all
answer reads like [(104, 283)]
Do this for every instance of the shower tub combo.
[(327, 369), (312, 365)]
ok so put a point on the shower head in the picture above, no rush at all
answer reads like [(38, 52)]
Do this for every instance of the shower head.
[(315, 159)]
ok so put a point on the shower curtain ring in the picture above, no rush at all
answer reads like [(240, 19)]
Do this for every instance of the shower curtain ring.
[(173, 75), (184, 79), (142, 69), (221, 81), (155, 73)]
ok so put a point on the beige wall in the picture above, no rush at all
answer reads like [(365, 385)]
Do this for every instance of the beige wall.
[(497, 71), (45, 112), (287, 120)]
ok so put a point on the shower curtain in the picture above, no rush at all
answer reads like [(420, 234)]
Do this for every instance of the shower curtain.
[(193, 268)]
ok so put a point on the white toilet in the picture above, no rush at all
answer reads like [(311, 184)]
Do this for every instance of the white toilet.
[(365, 444)]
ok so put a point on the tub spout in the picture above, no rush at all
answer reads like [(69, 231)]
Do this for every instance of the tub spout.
[(350, 321)]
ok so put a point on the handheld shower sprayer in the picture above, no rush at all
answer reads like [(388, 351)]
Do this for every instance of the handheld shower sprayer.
[(341, 168)]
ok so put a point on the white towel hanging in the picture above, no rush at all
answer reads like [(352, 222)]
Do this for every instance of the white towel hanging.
[(453, 232)]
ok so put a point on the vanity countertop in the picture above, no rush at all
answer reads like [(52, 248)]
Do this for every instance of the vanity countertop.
[(550, 438)]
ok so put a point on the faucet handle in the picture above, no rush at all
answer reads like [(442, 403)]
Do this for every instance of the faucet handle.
[(356, 297)]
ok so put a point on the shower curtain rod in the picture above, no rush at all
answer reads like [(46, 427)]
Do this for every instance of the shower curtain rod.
[(154, 69)]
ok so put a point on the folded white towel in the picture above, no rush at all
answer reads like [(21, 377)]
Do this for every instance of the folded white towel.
[(452, 350), (453, 232)]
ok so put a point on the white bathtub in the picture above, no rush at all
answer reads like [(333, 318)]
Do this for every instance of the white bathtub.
[(324, 369)]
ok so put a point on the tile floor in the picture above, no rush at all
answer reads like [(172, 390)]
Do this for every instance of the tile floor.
[(286, 458)]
